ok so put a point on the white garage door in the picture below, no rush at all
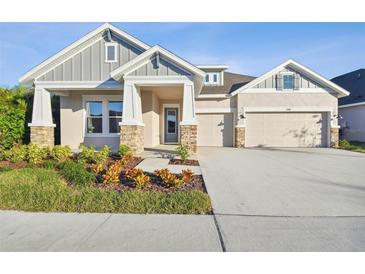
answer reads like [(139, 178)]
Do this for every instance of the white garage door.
[(215, 129), (286, 129)]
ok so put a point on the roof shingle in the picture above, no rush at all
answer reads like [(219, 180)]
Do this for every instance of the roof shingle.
[(354, 82)]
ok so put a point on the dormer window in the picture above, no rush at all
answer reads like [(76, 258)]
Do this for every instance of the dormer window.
[(212, 78), (111, 52)]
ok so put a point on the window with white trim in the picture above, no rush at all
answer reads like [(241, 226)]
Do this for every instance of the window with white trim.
[(94, 117), (103, 116), (212, 78), (288, 81), (115, 110), (111, 52)]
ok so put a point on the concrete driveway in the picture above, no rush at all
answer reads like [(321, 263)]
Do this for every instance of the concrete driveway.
[(287, 199)]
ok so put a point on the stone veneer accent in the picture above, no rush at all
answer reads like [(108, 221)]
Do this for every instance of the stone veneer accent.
[(334, 137), (239, 137), (132, 136), (188, 136), (42, 136)]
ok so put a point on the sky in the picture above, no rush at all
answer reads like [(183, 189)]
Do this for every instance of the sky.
[(330, 49)]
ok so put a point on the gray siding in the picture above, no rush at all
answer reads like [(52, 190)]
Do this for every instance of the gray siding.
[(166, 68), (304, 82), (89, 64)]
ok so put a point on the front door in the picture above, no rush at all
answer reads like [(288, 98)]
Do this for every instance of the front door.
[(171, 125)]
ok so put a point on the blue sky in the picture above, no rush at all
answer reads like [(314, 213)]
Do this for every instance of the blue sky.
[(248, 48)]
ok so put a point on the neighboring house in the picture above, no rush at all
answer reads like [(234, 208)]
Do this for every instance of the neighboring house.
[(116, 89), (352, 108)]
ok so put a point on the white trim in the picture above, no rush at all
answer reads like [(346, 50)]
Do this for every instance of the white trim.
[(352, 105), (215, 110), (164, 106), (91, 34), (300, 68), (124, 69), (105, 118), (111, 44), (40, 125), (285, 91), (287, 109), (213, 96), (158, 80), (212, 66), (114, 85)]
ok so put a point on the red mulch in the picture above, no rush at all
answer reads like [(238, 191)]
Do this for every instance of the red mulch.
[(197, 183), (186, 162), (11, 165)]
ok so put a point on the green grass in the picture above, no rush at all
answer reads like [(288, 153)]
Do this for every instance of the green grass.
[(38, 189), (352, 145)]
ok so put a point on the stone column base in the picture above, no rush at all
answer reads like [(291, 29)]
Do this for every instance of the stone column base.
[(188, 136), (334, 137), (42, 136), (132, 136), (239, 137)]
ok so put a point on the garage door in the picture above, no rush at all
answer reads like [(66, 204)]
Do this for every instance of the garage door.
[(215, 129), (286, 129)]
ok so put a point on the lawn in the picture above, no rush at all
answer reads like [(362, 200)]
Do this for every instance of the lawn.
[(352, 145), (40, 189)]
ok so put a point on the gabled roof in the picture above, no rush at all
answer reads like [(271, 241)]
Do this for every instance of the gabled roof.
[(300, 68), (231, 82), (33, 72), (355, 83), (142, 58)]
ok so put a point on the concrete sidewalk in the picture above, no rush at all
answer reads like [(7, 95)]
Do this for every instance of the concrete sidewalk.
[(21, 231)]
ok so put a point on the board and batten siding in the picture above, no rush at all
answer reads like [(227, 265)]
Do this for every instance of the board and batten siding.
[(304, 82), (164, 68), (89, 64)]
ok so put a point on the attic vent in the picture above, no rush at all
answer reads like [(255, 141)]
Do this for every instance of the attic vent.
[(359, 76)]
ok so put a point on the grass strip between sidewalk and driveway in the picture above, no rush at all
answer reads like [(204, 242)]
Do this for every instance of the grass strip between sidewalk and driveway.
[(38, 189), (355, 146)]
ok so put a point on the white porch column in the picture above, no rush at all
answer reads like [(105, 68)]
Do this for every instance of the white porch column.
[(42, 126), (189, 125), (188, 117), (132, 126), (132, 107)]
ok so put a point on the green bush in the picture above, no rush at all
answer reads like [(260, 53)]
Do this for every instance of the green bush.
[(13, 108), (102, 156), (36, 154), (60, 153), (344, 143), (76, 173), (183, 152), (3, 153), (86, 154), (17, 153), (124, 150), (4, 168), (50, 164)]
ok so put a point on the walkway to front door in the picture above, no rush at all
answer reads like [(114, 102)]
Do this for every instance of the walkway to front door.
[(171, 131)]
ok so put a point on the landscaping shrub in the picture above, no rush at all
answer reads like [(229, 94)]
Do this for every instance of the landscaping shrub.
[(126, 159), (187, 176), (4, 168), (13, 108), (139, 179), (102, 156), (168, 179), (86, 154), (3, 153), (183, 152), (344, 144), (76, 174), (50, 164), (36, 154), (60, 153), (124, 150), (17, 153), (112, 174)]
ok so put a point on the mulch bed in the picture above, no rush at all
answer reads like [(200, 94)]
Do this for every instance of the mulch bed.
[(197, 183), (186, 162), (11, 165)]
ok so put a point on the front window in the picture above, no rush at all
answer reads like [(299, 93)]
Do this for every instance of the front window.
[(288, 81), (115, 115), (171, 121), (207, 78), (94, 118)]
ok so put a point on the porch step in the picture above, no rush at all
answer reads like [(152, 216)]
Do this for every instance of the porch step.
[(151, 164)]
